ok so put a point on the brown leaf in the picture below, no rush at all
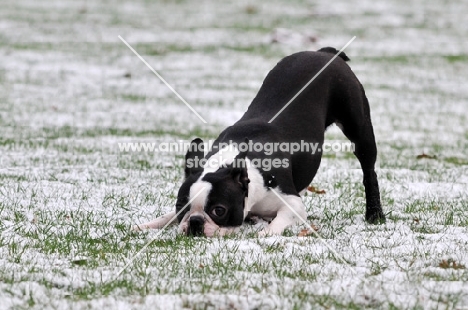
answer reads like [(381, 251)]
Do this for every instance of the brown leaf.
[(450, 263), (307, 232), (444, 264), (423, 155), (250, 9), (315, 190)]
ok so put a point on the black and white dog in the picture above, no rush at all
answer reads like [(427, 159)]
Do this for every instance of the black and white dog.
[(219, 195)]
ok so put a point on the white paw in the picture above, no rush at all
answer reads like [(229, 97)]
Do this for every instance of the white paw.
[(139, 228)]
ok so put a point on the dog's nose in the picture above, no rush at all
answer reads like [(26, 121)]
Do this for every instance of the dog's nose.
[(196, 223)]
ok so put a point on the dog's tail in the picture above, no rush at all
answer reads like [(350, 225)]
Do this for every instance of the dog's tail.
[(334, 51)]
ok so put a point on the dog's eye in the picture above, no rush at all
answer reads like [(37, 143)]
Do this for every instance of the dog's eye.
[(218, 211)]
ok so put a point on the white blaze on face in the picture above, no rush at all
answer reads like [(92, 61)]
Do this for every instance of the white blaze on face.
[(225, 156), (203, 189)]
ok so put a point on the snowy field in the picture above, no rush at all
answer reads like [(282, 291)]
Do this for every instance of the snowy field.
[(71, 91)]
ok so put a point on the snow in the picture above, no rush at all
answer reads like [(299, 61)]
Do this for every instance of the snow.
[(70, 91)]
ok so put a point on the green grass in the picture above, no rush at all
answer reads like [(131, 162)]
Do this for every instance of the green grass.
[(456, 58), (43, 137), (68, 197)]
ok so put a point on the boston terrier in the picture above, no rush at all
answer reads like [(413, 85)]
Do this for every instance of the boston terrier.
[(241, 178)]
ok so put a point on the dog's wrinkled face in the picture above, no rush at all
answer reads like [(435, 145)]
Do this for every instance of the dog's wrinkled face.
[(217, 198)]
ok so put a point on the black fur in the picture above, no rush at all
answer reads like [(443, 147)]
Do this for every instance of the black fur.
[(334, 51), (336, 95)]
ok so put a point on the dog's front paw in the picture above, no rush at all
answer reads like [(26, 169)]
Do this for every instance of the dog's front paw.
[(139, 228)]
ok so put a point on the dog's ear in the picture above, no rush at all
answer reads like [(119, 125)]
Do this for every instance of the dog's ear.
[(241, 177), (195, 153), (239, 170)]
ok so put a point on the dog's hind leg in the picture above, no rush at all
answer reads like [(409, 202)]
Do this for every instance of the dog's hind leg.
[(357, 126)]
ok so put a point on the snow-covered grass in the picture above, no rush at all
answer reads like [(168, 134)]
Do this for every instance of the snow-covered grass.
[(70, 91)]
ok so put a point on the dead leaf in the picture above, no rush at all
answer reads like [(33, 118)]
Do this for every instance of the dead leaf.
[(423, 155), (315, 190), (307, 232), (250, 9), (450, 263)]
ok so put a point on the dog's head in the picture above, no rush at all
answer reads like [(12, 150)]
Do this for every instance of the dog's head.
[(208, 201)]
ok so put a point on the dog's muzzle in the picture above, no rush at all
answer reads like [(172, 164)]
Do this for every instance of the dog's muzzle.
[(196, 223)]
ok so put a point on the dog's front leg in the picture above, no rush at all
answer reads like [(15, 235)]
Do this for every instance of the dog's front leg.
[(158, 223), (291, 211)]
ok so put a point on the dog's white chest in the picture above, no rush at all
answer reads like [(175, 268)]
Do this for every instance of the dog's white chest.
[(261, 202), (267, 206)]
